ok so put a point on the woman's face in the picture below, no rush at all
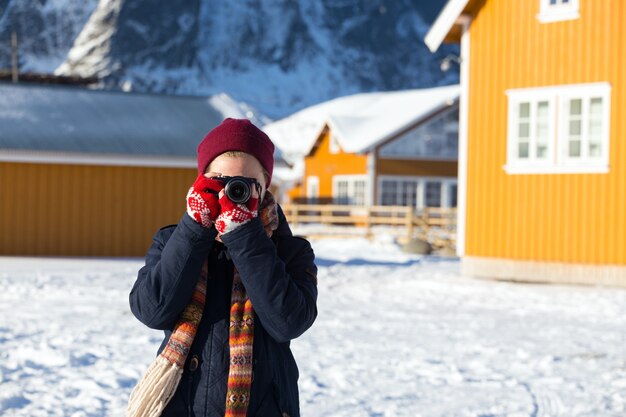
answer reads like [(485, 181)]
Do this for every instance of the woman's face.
[(244, 165)]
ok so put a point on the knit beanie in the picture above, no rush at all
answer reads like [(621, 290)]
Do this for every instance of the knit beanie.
[(237, 135)]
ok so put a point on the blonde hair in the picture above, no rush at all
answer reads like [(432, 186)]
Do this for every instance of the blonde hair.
[(239, 154)]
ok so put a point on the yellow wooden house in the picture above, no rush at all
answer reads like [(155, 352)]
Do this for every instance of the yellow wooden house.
[(96, 173), (389, 148), (542, 155)]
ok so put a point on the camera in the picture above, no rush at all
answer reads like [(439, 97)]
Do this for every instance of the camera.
[(239, 189)]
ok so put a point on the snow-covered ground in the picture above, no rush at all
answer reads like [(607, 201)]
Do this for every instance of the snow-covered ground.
[(396, 335)]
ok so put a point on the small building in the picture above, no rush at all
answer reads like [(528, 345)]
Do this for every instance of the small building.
[(391, 148), (542, 172), (95, 173)]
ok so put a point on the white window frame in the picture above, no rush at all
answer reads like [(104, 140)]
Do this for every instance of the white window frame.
[(586, 96), (533, 98), (420, 192), (351, 180), (557, 162), (312, 183), (558, 12)]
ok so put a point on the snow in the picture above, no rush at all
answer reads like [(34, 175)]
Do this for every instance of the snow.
[(45, 29), (226, 105), (90, 53), (396, 335), (375, 117), (359, 121)]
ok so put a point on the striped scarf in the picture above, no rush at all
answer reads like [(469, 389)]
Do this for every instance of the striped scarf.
[(240, 341), (158, 385)]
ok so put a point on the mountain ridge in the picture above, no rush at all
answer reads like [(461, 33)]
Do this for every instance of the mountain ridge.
[(278, 56)]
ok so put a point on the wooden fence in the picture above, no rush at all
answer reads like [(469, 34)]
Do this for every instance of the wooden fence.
[(434, 224)]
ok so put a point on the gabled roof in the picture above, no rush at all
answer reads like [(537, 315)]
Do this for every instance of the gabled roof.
[(67, 119), (359, 122), (47, 123), (59, 123)]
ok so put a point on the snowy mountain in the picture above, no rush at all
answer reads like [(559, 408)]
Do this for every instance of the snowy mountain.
[(46, 30), (277, 55)]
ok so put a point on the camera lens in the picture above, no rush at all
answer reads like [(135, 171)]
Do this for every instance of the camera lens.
[(238, 191)]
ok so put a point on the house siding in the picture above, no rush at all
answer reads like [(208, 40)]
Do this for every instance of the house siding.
[(574, 218), (325, 165), (416, 167), (87, 210)]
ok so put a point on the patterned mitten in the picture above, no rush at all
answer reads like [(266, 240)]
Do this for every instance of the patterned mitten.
[(234, 215), (202, 200)]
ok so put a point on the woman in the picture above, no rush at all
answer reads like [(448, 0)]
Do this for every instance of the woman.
[(230, 286)]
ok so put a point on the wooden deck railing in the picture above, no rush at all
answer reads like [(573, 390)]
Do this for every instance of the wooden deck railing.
[(437, 225)]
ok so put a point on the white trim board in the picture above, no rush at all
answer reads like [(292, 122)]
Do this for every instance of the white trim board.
[(549, 13), (97, 159), (463, 139), (446, 19), (371, 177), (534, 92)]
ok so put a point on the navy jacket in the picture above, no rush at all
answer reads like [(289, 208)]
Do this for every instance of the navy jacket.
[(279, 275)]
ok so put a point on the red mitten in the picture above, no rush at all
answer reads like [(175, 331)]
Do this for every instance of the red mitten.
[(202, 200), (234, 215)]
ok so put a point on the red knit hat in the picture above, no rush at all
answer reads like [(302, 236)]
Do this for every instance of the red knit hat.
[(236, 135)]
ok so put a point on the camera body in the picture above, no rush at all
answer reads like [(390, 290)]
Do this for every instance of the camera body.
[(239, 189)]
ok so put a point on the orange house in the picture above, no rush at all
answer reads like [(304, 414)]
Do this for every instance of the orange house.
[(542, 178), (396, 148)]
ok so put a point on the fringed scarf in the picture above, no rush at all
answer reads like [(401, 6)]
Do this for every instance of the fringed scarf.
[(158, 385)]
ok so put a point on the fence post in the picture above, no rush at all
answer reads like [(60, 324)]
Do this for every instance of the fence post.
[(294, 213), (426, 219), (368, 222), (409, 222)]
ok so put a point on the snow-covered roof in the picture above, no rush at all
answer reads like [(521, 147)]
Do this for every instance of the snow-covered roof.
[(359, 122)]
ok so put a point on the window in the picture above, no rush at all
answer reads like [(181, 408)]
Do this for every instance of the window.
[(532, 129), (558, 10), (561, 129), (435, 139), (408, 193), (341, 192), (418, 192), (432, 196), (359, 192), (388, 192), (313, 189), (398, 192), (350, 189), (452, 195), (584, 129)]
